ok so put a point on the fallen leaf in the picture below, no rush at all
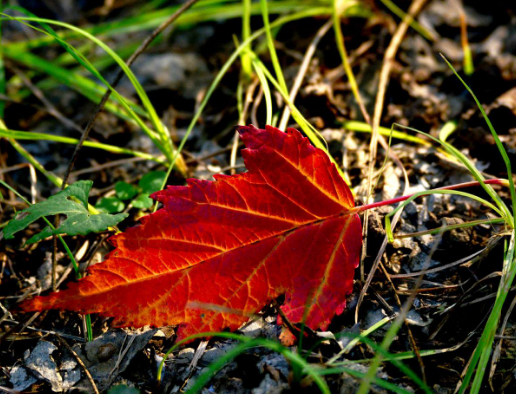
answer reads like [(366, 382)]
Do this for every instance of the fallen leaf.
[(219, 251)]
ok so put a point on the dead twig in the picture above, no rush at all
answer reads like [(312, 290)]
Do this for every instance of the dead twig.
[(81, 363), (412, 339)]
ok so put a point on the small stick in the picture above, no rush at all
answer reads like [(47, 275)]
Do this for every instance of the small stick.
[(90, 378), (411, 337)]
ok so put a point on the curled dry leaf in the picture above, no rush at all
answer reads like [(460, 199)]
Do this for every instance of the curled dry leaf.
[(218, 251)]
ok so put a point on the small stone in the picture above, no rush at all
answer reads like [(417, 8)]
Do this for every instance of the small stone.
[(106, 351), (43, 366), (21, 378)]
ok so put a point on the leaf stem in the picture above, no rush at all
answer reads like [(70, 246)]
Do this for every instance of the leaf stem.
[(366, 207)]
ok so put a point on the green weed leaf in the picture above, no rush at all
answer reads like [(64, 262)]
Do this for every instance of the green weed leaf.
[(152, 181), (72, 202), (125, 191), (143, 201), (110, 205)]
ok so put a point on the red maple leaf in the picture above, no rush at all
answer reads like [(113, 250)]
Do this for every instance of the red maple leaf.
[(218, 251)]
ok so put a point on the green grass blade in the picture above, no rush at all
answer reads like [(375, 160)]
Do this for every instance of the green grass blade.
[(402, 14), (279, 22), (203, 11), (388, 227), (363, 127), (27, 135), (499, 144), (507, 215), (482, 353), (290, 356), (272, 49), (247, 67), (88, 88), (160, 137), (452, 227), (266, 91)]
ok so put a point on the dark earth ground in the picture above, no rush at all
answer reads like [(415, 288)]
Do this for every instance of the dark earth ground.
[(422, 93)]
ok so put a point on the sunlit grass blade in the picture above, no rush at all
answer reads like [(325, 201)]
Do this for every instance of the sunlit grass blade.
[(247, 68), (388, 227), (507, 215), (159, 136), (452, 227), (497, 140), (413, 23), (469, 69), (201, 12), (224, 69), (447, 130), (32, 136)]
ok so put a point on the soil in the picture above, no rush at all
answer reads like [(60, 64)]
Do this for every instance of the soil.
[(451, 305)]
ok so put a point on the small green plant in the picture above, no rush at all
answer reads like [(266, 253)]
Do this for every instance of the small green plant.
[(136, 196), (72, 202)]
